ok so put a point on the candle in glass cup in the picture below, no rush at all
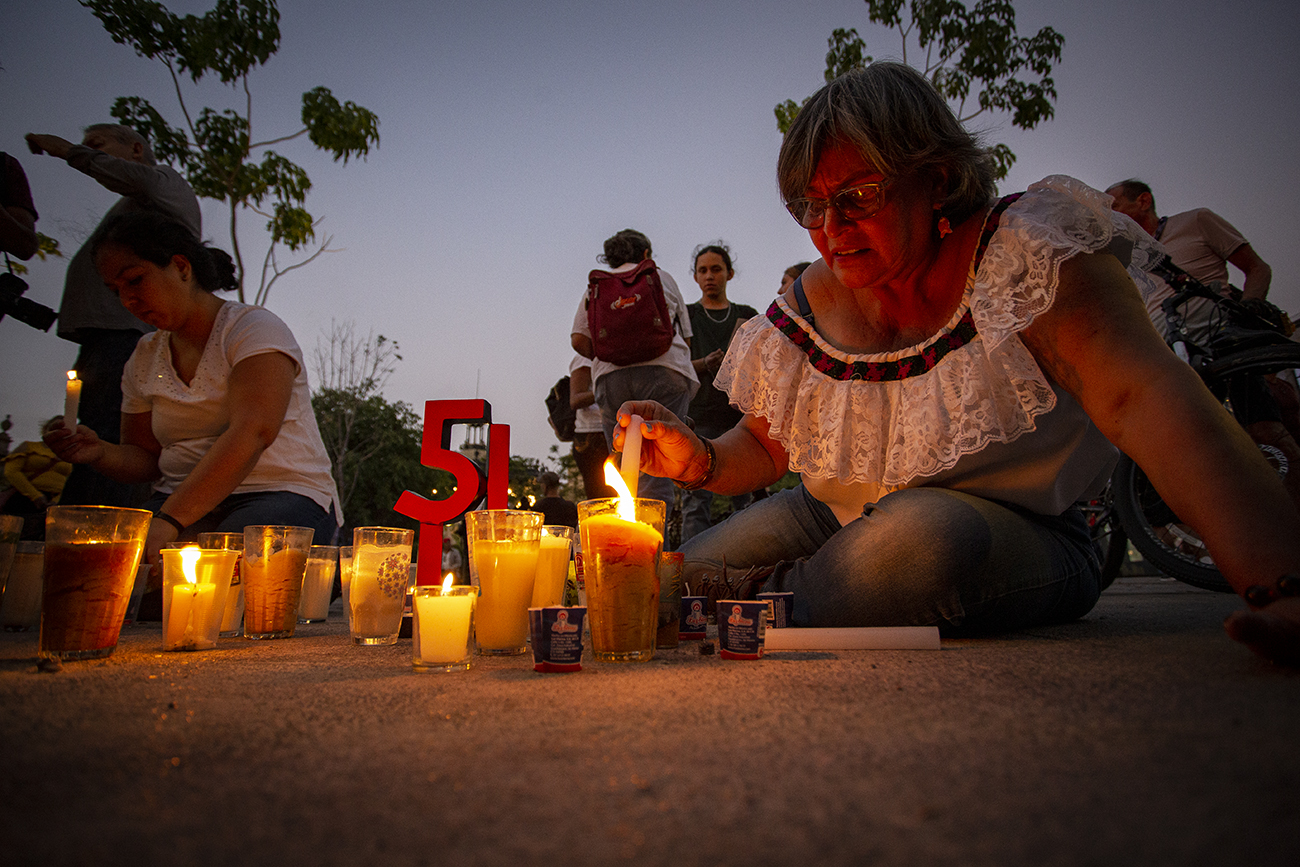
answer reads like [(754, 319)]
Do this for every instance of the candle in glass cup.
[(443, 620), (195, 585), (91, 555), (275, 558), (621, 542), (234, 613), (345, 580), (381, 569), (503, 550), (552, 566), (317, 584)]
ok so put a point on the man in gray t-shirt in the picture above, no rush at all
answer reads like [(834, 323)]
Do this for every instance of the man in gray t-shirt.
[(120, 160), (1201, 243)]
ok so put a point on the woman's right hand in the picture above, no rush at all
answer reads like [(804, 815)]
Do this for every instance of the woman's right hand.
[(82, 446), (669, 449), (1272, 631)]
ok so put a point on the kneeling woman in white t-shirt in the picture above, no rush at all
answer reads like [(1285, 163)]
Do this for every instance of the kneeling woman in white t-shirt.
[(216, 410)]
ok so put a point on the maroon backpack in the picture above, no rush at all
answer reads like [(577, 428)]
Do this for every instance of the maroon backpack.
[(627, 315)]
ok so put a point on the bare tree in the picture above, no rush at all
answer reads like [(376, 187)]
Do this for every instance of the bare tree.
[(351, 373)]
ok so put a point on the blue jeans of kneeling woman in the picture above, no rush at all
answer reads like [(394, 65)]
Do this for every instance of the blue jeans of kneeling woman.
[(918, 557), (238, 511)]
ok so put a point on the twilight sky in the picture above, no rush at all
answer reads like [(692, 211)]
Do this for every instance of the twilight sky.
[(516, 137)]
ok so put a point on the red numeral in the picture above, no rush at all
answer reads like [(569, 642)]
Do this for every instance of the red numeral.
[(471, 485)]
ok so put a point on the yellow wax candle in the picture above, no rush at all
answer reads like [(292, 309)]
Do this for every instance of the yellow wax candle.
[(506, 571), (552, 569), (189, 610), (621, 561), (443, 622), (195, 585)]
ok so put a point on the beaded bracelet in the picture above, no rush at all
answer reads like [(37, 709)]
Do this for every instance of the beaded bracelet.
[(163, 516), (1259, 595), (708, 472)]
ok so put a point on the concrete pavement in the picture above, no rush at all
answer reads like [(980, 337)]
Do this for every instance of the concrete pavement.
[(1139, 735)]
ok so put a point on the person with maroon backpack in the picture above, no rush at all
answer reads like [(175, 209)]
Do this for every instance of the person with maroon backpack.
[(634, 326)]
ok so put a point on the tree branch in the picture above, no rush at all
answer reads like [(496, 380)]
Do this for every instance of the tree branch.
[(263, 144), (265, 289)]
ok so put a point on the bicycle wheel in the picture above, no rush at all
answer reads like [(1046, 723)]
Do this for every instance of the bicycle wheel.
[(1162, 538), (1107, 535)]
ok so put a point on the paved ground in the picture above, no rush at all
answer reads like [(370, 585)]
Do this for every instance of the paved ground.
[(1139, 736)]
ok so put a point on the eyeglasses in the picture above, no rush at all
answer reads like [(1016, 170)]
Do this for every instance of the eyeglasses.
[(853, 203)]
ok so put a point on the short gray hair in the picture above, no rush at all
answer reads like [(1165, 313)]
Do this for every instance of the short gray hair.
[(125, 135), (900, 124), (1132, 188)]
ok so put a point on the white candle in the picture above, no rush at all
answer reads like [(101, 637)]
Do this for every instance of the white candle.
[(443, 619), (193, 604), (631, 469), (188, 612), (71, 401), (854, 638)]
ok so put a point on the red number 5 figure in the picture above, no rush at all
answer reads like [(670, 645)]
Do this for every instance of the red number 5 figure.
[(471, 484)]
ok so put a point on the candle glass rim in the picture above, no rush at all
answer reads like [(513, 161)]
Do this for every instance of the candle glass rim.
[(436, 590), (95, 509)]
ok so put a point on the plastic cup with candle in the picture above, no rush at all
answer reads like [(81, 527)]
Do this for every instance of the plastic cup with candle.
[(622, 539), (234, 613), (71, 401), (318, 584), (275, 559), (443, 635), (503, 551), (381, 571), (345, 581), (196, 583), (11, 528), (21, 610), (552, 566), (91, 555)]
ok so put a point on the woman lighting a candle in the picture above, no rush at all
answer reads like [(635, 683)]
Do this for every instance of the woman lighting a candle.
[(945, 379), (216, 410)]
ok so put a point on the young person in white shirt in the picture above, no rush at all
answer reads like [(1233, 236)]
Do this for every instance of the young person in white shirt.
[(216, 409)]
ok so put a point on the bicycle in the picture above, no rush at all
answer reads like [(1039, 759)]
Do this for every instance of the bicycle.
[(1241, 350)]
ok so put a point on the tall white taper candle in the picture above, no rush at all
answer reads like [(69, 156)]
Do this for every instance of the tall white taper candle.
[(71, 400), (631, 469)]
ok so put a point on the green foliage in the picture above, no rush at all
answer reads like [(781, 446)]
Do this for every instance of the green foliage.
[(523, 481), (215, 149), (382, 438), (45, 248), (964, 49)]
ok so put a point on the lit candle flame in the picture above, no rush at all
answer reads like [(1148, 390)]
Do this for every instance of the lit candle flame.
[(189, 559), (626, 505), (446, 582), (72, 374)]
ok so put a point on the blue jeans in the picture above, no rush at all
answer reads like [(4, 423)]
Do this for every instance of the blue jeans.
[(238, 511), (918, 557), (646, 382)]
